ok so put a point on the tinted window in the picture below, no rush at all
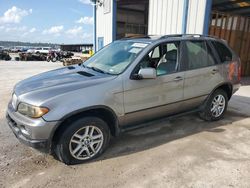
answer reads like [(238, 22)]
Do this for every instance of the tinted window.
[(211, 57), (223, 52), (164, 58), (169, 59), (197, 55)]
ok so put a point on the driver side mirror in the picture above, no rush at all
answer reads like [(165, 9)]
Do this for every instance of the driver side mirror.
[(147, 73)]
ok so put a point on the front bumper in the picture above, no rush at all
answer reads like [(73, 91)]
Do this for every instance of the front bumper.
[(35, 133)]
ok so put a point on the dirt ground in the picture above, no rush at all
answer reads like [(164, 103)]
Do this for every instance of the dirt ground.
[(185, 152)]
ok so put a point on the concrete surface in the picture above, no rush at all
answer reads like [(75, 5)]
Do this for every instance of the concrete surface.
[(185, 152)]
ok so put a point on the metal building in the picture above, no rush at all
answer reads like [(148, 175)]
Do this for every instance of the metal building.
[(227, 19), (115, 19), (76, 47)]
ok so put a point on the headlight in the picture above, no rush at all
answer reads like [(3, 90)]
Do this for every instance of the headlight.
[(32, 111), (14, 101)]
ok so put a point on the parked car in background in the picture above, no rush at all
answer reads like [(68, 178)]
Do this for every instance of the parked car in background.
[(31, 50), (24, 49), (7, 49), (73, 111), (43, 50), (15, 49)]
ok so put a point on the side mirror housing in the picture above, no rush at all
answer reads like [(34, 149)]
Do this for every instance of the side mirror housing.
[(147, 73)]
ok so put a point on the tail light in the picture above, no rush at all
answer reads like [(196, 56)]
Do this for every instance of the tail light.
[(239, 70)]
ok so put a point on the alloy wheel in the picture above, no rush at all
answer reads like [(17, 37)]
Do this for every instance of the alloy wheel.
[(86, 142), (218, 105)]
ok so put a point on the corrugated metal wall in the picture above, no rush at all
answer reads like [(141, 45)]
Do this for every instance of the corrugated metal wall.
[(167, 16), (104, 23), (236, 31), (196, 16)]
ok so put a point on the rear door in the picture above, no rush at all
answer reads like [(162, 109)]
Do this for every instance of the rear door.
[(202, 73)]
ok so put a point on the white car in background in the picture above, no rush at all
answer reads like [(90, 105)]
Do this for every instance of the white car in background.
[(44, 50), (41, 50)]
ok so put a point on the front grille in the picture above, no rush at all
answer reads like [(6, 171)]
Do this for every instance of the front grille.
[(13, 123)]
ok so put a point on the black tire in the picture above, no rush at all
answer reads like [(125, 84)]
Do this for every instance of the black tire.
[(54, 60), (206, 113), (62, 147)]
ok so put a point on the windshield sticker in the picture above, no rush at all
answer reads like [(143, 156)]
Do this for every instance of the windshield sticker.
[(135, 50), (139, 45)]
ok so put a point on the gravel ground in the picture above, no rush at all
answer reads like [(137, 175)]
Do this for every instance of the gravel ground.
[(185, 152)]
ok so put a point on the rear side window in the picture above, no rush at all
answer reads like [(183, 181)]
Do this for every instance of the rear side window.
[(223, 52), (198, 55)]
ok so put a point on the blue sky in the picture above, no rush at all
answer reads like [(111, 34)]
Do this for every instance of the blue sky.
[(55, 21)]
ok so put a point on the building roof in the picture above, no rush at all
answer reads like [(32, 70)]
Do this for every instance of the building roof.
[(239, 7)]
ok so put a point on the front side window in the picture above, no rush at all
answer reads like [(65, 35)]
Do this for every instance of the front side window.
[(163, 58), (223, 52), (116, 57), (197, 55)]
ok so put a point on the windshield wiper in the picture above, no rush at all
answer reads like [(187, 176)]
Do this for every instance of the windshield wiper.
[(97, 70)]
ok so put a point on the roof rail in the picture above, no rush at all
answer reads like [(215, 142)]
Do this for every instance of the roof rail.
[(186, 35)]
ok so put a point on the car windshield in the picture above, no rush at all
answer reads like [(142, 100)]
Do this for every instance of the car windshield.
[(116, 57)]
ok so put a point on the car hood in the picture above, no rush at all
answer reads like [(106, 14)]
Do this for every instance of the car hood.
[(59, 81)]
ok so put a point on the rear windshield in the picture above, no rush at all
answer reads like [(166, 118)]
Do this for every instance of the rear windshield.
[(223, 52)]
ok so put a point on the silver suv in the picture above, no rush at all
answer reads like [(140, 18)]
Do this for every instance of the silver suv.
[(73, 111)]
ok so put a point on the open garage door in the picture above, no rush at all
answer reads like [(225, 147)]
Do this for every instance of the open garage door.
[(230, 21), (132, 18)]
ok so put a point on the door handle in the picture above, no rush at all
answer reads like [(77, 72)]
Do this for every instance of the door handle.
[(178, 78), (214, 71)]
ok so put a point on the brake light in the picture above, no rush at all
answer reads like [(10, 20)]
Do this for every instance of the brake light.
[(239, 71)]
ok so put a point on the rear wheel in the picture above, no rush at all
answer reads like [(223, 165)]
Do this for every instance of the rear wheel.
[(83, 140), (215, 106)]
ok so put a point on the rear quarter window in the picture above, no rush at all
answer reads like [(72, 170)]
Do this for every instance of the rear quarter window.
[(224, 53)]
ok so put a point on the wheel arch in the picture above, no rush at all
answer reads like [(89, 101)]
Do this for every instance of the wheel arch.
[(103, 112), (227, 87)]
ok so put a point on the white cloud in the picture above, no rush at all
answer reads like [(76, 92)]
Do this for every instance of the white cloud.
[(77, 34), (32, 30), (86, 20), (14, 15), (88, 2), (76, 31), (54, 30), (15, 29)]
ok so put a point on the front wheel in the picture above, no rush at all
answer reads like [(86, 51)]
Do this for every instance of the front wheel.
[(83, 140), (215, 106), (54, 59)]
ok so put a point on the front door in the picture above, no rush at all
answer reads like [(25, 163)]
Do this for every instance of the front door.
[(148, 99)]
